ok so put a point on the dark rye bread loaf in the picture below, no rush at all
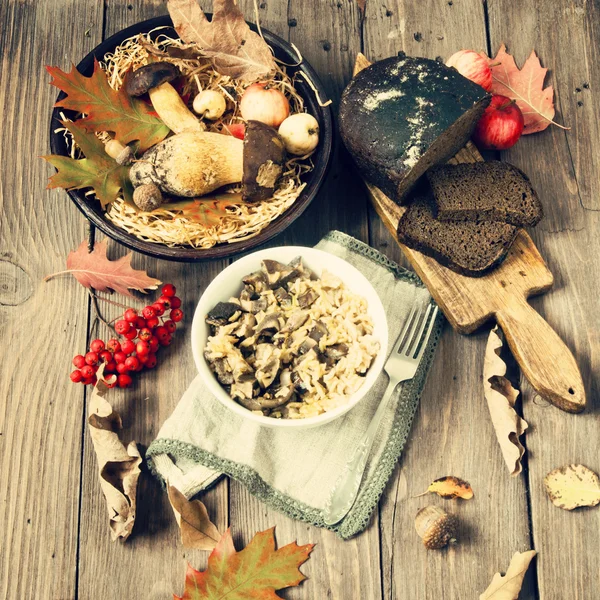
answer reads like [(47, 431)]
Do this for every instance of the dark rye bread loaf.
[(484, 191), (402, 115), (468, 248)]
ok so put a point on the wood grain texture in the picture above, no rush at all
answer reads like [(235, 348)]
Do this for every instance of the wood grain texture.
[(41, 414), (107, 568), (452, 434), (327, 34), (564, 169)]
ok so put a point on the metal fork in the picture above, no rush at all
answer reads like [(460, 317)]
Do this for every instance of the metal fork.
[(400, 366)]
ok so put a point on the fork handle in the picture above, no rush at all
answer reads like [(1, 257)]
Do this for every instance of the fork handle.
[(344, 493)]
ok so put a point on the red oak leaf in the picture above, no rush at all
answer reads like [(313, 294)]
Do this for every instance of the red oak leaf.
[(93, 269), (526, 87), (107, 109), (256, 572)]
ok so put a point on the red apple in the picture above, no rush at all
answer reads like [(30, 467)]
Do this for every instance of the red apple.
[(473, 66), (500, 126), (268, 105), (237, 130)]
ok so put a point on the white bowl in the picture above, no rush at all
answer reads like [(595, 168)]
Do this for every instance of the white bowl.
[(229, 283)]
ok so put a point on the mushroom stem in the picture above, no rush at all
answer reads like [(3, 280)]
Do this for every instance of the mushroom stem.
[(119, 151), (172, 110)]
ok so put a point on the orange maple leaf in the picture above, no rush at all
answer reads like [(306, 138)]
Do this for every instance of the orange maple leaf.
[(526, 87), (257, 571)]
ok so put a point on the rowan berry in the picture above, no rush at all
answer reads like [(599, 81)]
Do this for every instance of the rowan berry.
[(150, 361), (142, 348), (76, 376), (88, 371), (124, 380), (122, 327), (175, 302), (110, 367), (131, 334), (176, 315), (105, 356), (145, 334), (130, 315), (132, 363), (113, 345), (170, 326), (128, 346), (148, 312), (165, 302), (120, 357), (161, 333), (140, 323), (79, 361), (153, 344), (152, 323), (168, 290), (122, 368), (97, 346), (91, 358), (159, 309)]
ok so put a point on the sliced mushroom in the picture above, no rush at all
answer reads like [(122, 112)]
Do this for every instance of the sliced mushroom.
[(242, 390), (257, 281), (290, 277), (254, 306), (246, 327), (299, 265), (221, 369), (266, 374), (318, 331), (274, 271), (337, 351), (306, 299), (269, 325), (307, 345), (264, 156), (223, 313), (299, 385), (283, 297), (295, 321)]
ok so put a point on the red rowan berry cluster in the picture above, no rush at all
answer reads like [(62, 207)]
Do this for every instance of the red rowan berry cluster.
[(141, 337)]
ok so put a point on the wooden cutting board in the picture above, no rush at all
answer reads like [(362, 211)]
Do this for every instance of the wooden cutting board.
[(469, 302)]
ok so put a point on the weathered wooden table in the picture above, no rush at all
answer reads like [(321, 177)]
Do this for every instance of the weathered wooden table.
[(55, 540)]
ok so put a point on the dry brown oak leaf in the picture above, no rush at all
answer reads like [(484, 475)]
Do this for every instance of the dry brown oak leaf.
[(94, 269), (508, 586), (257, 571), (526, 87), (227, 40), (501, 397), (573, 486), (197, 530), (118, 466)]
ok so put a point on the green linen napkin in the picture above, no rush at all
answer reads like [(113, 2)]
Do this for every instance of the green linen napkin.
[(295, 470)]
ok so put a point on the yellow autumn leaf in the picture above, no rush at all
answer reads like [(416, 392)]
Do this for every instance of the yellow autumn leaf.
[(508, 586), (451, 487), (573, 486)]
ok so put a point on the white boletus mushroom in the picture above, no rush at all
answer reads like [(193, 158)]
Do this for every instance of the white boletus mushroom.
[(192, 164), (155, 79)]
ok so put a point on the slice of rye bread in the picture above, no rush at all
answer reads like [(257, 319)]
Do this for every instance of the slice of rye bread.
[(468, 248), (484, 191), (402, 115)]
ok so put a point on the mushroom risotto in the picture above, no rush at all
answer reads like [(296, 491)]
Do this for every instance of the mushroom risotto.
[(291, 345)]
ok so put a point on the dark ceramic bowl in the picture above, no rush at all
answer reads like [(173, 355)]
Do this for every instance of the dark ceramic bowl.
[(90, 207)]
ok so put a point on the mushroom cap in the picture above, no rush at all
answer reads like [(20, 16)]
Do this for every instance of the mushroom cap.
[(436, 527), (150, 76), (264, 155)]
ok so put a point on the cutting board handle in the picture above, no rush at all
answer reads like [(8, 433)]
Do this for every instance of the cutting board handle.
[(543, 357)]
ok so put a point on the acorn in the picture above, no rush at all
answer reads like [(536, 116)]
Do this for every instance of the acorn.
[(436, 527)]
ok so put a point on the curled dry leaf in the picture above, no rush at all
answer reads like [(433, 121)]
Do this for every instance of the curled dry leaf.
[(197, 530), (451, 487), (234, 49), (118, 467), (507, 587), (573, 486), (94, 269), (526, 87), (501, 397)]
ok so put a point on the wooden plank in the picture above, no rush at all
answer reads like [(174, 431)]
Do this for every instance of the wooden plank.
[(43, 324), (444, 438), (327, 34), (151, 564), (566, 37)]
